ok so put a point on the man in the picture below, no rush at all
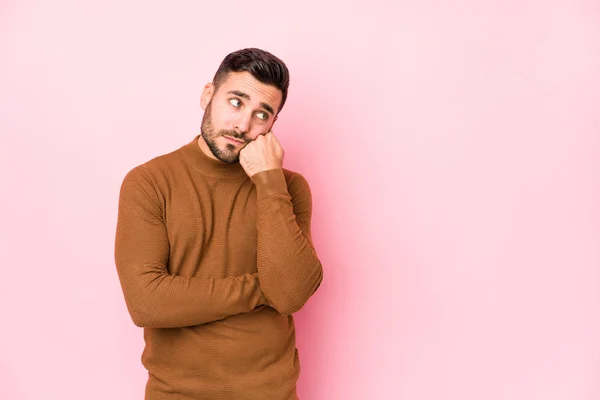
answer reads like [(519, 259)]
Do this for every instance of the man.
[(213, 246)]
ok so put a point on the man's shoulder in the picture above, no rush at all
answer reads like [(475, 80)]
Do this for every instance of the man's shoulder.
[(157, 169), (296, 182), (289, 174), (160, 164), (163, 162)]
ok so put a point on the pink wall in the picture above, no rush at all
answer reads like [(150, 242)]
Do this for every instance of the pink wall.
[(453, 152)]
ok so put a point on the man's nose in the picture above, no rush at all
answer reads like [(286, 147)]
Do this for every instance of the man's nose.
[(242, 125)]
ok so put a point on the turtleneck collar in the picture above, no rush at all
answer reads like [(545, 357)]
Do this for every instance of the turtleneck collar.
[(194, 155)]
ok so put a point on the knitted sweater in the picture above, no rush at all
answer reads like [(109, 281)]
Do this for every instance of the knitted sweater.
[(212, 265)]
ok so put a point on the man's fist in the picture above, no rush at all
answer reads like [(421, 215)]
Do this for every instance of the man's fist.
[(262, 154)]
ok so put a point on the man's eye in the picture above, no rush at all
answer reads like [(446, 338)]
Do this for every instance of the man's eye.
[(262, 115), (235, 102)]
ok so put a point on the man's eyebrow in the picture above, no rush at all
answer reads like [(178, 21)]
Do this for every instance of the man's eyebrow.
[(239, 94), (247, 97), (267, 107)]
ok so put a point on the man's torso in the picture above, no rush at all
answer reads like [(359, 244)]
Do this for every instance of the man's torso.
[(211, 225)]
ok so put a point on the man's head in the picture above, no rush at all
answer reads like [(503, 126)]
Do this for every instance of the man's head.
[(242, 102)]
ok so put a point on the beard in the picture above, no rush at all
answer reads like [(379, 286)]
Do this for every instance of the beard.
[(230, 153)]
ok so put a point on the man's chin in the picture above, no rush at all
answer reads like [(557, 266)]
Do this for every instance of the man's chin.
[(227, 156), (230, 161), (226, 153)]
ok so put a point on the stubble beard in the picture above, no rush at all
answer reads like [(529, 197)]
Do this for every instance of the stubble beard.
[(228, 154)]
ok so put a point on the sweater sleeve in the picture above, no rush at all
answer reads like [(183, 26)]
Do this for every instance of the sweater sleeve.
[(288, 266), (154, 297)]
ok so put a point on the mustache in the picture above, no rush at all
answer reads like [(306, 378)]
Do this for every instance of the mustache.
[(234, 134)]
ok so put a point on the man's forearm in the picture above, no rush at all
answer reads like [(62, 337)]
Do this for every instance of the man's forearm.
[(288, 266), (160, 300)]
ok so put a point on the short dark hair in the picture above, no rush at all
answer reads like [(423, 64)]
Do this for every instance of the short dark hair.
[(263, 66)]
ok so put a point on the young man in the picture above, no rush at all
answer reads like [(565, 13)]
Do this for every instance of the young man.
[(213, 247)]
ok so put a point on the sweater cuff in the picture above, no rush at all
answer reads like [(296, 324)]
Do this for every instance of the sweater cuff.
[(270, 182)]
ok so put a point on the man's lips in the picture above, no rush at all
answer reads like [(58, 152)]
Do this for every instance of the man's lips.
[(233, 140)]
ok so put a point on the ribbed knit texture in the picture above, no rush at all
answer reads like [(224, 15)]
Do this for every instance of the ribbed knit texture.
[(212, 265)]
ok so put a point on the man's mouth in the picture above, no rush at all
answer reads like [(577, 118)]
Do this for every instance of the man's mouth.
[(234, 140)]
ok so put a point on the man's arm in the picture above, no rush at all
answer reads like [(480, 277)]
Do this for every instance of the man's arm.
[(154, 297), (288, 267)]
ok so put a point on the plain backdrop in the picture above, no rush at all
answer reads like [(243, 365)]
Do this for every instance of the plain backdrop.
[(452, 149)]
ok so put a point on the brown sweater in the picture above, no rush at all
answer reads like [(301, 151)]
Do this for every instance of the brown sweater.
[(212, 265)]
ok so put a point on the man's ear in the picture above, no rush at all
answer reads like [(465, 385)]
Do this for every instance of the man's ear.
[(207, 94)]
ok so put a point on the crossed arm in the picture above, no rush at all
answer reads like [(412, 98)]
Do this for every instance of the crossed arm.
[(288, 269), (154, 297)]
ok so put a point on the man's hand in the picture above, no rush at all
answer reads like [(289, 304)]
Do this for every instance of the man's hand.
[(262, 154)]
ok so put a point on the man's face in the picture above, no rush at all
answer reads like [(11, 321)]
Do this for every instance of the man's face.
[(241, 109)]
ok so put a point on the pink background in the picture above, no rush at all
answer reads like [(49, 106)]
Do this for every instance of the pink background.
[(453, 151)]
